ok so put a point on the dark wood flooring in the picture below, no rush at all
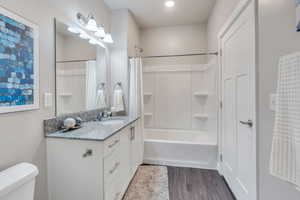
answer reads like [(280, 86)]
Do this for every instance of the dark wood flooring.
[(197, 184)]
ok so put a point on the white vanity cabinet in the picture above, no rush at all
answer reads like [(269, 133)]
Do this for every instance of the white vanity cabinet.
[(94, 170)]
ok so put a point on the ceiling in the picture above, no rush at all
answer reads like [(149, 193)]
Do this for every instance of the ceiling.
[(153, 13)]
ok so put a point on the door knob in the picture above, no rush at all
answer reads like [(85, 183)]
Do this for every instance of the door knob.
[(249, 123)]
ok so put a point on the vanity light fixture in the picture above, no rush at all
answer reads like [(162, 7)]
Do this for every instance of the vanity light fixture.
[(90, 24), (108, 38), (100, 32), (170, 4)]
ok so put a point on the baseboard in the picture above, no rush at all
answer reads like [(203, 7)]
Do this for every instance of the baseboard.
[(219, 168), (177, 163)]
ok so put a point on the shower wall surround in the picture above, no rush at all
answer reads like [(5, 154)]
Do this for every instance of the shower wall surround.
[(176, 96)]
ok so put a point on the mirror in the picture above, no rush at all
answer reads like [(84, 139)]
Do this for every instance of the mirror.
[(80, 73)]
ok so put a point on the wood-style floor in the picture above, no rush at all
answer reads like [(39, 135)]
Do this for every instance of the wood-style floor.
[(197, 184)]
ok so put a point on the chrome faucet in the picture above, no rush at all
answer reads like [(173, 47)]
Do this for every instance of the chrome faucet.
[(104, 115)]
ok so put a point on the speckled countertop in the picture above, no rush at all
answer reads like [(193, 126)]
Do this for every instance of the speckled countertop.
[(95, 130)]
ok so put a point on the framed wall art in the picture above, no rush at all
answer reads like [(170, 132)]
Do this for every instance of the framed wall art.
[(19, 63)]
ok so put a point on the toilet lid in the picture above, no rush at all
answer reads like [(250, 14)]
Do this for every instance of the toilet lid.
[(14, 177)]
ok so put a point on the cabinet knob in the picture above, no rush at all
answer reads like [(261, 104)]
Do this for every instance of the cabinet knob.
[(88, 152)]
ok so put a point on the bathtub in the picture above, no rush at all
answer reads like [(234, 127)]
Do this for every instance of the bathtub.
[(195, 149)]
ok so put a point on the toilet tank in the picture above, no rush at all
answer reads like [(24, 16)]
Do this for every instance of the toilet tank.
[(17, 182)]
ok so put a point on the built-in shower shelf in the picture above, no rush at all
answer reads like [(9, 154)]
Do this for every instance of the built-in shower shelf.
[(201, 94), (148, 94), (148, 114), (201, 116), (66, 95)]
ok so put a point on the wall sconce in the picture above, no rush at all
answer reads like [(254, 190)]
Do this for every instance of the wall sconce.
[(90, 24)]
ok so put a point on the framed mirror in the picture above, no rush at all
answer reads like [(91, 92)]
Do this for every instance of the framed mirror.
[(80, 69)]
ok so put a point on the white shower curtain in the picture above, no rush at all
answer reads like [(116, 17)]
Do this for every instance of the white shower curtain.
[(135, 93), (91, 85)]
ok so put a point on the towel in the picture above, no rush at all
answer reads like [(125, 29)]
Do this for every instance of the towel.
[(285, 153), (118, 102), (101, 99)]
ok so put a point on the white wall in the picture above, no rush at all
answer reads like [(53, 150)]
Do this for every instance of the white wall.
[(277, 37), (133, 35), (22, 136), (125, 33), (219, 15), (172, 40)]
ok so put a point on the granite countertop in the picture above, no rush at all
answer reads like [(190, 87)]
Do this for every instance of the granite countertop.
[(95, 130)]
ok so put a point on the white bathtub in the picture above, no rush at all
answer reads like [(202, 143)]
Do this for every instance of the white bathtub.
[(193, 149)]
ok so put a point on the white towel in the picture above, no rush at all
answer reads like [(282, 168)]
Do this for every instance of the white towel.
[(285, 154), (101, 99), (118, 102)]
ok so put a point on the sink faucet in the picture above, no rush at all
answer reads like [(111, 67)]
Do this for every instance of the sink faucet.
[(104, 115)]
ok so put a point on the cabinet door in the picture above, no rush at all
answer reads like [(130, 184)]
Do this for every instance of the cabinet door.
[(125, 151), (74, 169), (113, 191)]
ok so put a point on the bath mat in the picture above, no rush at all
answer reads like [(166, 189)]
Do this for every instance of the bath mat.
[(150, 183)]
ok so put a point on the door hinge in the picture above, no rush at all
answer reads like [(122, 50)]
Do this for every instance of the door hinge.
[(221, 52), (221, 157), (221, 104)]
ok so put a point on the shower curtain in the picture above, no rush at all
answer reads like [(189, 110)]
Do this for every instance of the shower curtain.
[(135, 91), (91, 85)]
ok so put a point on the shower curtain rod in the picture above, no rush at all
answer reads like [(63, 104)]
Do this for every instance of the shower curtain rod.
[(182, 55), (72, 61)]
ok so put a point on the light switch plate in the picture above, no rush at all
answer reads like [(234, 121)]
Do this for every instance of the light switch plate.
[(48, 100), (273, 99)]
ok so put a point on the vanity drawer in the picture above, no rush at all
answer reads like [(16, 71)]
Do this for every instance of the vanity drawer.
[(112, 165), (113, 191), (111, 144)]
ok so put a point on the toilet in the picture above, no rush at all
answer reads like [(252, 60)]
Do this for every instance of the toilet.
[(18, 182)]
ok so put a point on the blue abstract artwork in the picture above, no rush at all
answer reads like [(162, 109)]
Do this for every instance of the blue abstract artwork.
[(17, 60)]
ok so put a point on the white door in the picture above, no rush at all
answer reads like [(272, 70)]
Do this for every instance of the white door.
[(237, 43)]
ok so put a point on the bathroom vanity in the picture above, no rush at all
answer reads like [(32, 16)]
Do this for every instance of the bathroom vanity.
[(96, 162)]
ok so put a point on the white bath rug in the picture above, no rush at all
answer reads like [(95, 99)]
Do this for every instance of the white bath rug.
[(150, 183)]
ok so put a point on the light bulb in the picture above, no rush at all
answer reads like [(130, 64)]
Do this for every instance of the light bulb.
[(92, 41), (91, 24), (108, 38), (73, 30), (100, 32), (84, 36)]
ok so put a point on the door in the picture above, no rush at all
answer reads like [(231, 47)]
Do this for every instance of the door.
[(237, 45)]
